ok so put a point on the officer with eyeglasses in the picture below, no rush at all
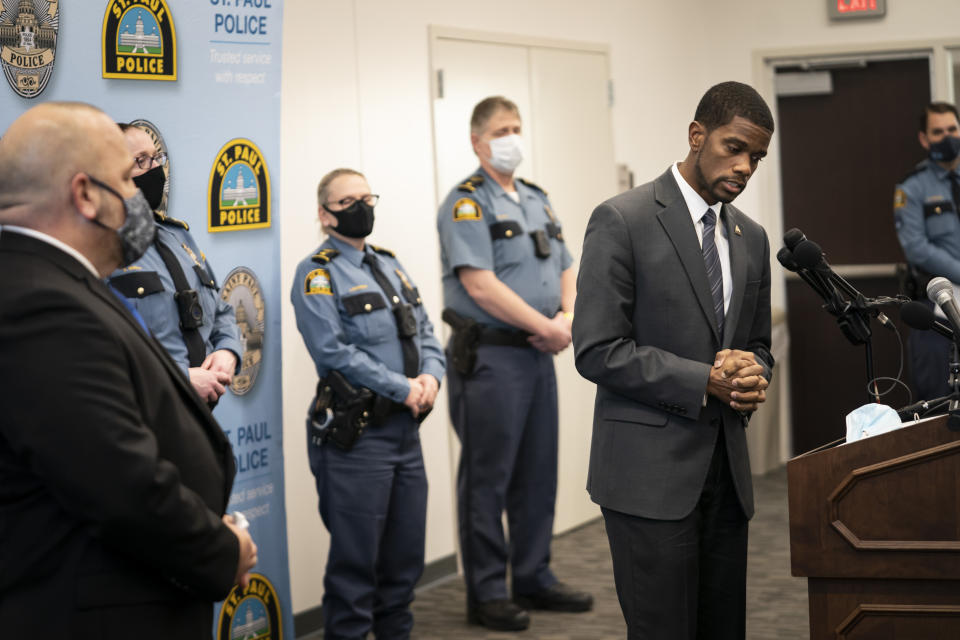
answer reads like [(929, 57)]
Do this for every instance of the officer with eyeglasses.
[(173, 287), (380, 367)]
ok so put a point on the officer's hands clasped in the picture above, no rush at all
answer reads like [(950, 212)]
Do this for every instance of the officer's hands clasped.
[(554, 335)]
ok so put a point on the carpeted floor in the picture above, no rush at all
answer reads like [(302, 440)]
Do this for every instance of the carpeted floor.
[(776, 601)]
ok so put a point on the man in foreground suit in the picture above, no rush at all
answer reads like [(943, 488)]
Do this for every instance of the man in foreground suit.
[(115, 476), (673, 325)]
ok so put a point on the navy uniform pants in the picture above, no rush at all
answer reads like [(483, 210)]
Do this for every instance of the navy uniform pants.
[(505, 414), (929, 363), (373, 501)]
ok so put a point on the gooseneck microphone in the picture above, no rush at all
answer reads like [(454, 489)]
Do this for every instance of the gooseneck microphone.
[(940, 291)]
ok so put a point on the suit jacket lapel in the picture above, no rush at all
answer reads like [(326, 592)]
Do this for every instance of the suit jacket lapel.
[(738, 269), (676, 221)]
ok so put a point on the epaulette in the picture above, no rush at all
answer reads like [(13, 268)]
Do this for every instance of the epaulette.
[(532, 185), (325, 256), (923, 165), (162, 219), (471, 184), (385, 252)]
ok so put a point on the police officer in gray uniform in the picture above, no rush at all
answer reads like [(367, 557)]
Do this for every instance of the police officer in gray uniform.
[(926, 206), (380, 368), (509, 291), (173, 287)]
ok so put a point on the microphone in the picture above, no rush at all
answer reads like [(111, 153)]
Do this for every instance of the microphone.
[(809, 255), (787, 261), (917, 315), (940, 290), (792, 238), (785, 258)]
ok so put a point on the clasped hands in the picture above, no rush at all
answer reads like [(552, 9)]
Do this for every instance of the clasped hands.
[(423, 393), (737, 380)]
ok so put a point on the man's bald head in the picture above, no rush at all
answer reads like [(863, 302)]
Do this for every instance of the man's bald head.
[(41, 152)]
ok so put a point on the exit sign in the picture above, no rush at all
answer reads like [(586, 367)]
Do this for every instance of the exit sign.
[(849, 9)]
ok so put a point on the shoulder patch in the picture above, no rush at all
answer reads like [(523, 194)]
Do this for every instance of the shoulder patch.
[(471, 183), (325, 256), (466, 209), (317, 282), (899, 199), (164, 219), (532, 185), (383, 250)]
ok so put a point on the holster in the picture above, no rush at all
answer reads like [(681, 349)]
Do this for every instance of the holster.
[(463, 344), (351, 408)]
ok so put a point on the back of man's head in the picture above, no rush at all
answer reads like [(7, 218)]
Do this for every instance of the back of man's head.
[(725, 101), (40, 153), (936, 107)]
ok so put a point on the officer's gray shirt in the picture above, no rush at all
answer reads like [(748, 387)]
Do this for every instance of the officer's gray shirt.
[(926, 221), (148, 285), (346, 321), (464, 223)]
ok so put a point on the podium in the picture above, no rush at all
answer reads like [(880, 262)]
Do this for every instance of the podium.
[(875, 529)]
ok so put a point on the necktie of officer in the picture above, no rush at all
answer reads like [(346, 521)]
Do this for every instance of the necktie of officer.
[(711, 260), (132, 309), (955, 190), (411, 357)]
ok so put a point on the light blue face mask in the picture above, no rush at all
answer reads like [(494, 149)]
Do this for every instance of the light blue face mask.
[(870, 420)]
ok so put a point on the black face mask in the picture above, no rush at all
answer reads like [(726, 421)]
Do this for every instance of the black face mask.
[(151, 184), (945, 150), (356, 221)]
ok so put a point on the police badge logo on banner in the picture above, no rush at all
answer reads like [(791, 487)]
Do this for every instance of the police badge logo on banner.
[(161, 147), (28, 43), (238, 195), (241, 290), (251, 613), (139, 40)]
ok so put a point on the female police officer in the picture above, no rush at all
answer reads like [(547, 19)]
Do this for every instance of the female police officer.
[(380, 367)]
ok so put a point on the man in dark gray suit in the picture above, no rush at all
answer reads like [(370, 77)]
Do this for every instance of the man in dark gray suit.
[(673, 325)]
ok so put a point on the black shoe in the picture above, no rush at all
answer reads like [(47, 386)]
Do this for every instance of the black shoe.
[(499, 615), (558, 597)]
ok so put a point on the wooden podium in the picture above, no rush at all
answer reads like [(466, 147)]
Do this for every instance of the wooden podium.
[(875, 527)]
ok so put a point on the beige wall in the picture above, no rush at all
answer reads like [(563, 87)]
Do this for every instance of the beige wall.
[(356, 93)]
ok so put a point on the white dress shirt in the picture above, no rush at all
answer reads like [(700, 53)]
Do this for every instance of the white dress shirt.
[(39, 235)]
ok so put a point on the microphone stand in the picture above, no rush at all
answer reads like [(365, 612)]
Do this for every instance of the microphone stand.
[(953, 419)]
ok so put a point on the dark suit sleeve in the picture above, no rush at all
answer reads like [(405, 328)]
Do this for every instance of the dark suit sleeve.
[(759, 341), (69, 412), (606, 351)]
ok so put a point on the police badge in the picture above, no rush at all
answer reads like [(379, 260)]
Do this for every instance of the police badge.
[(139, 40), (28, 43)]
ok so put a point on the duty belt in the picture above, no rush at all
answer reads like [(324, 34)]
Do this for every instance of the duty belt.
[(503, 337)]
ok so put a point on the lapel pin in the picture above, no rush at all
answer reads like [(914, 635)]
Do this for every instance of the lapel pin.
[(736, 230)]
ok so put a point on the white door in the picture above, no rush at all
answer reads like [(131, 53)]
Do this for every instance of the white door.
[(562, 93)]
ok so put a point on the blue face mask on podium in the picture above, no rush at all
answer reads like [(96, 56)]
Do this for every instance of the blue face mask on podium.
[(945, 149), (137, 232)]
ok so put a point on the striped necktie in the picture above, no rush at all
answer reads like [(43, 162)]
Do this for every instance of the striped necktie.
[(711, 260)]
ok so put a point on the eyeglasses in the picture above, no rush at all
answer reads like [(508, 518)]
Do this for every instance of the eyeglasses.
[(145, 162), (371, 199)]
